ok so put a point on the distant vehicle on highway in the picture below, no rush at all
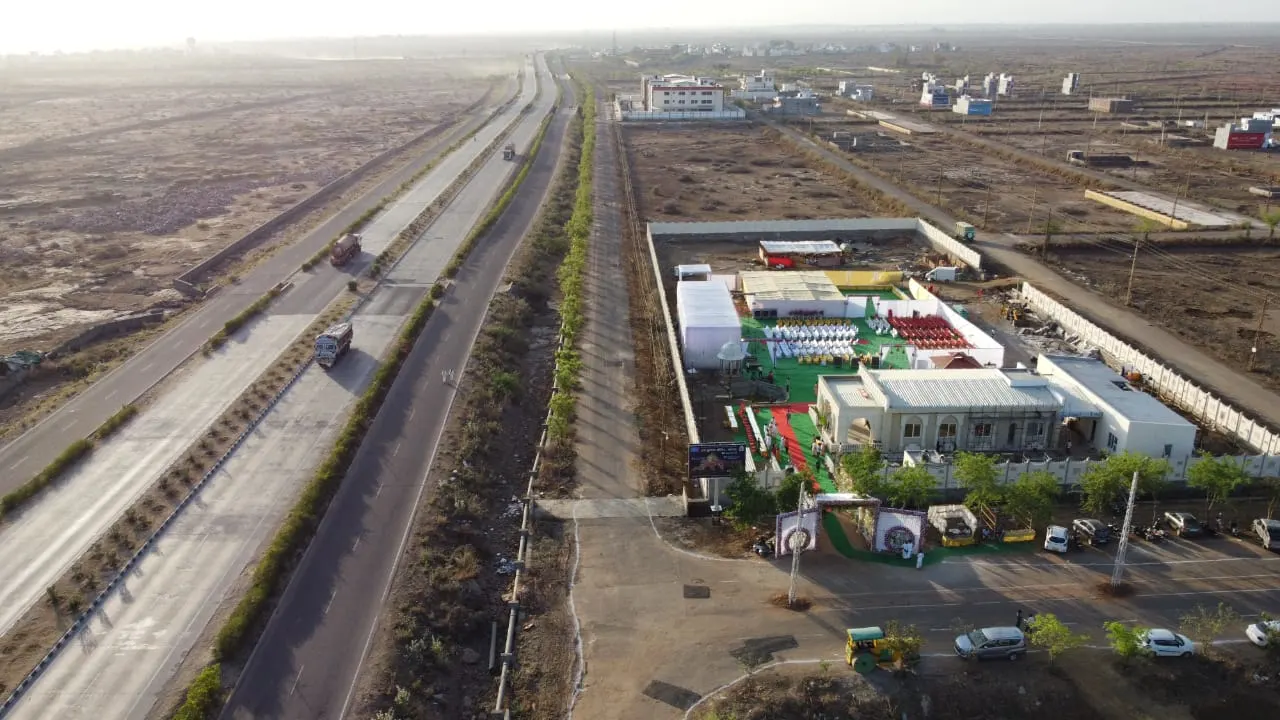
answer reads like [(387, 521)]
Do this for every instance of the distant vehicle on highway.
[(1167, 643), (1183, 524), (333, 344), (347, 247), (1095, 532), (509, 151), (1268, 532)]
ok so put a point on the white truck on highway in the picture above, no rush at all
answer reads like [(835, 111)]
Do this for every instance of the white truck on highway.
[(333, 344)]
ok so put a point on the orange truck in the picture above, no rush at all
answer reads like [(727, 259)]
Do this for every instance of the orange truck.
[(347, 247)]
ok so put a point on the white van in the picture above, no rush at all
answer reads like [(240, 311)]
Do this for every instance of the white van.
[(1055, 539)]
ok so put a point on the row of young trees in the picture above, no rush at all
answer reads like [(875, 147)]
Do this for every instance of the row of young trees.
[(1032, 495)]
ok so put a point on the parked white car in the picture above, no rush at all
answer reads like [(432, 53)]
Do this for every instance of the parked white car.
[(1260, 632), (1055, 539), (1167, 643)]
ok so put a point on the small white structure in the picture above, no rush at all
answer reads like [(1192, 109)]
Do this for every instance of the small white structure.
[(1070, 83), (944, 410), (692, 272), (1126, 418), (707, 320)]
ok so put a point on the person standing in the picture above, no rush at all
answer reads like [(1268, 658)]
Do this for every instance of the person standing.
[(1019, 621)]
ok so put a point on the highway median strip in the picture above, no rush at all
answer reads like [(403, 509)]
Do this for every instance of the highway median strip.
[(65, 460), (559, 452), (365, 218)]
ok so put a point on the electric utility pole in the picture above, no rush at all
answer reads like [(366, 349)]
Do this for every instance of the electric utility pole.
[(1117, 573), (1257, 333), (797, 541), (1133, 265)]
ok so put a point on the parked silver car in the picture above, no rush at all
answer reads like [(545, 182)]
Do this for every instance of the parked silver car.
[(992, 643)]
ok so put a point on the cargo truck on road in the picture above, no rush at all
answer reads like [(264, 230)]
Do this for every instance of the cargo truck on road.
[(333, 344), (509, 151), (347, 247)]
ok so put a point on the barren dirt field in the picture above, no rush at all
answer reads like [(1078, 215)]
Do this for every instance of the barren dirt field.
[(114, 179), (729, 172), (1210, 297)]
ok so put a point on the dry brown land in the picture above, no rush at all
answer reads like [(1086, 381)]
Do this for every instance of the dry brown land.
[(1211, 297), (113, 180), (729, 172)]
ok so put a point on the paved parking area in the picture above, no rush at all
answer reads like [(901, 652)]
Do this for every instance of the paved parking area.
[(663, 627)]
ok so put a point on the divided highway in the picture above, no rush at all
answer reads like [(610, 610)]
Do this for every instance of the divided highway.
[(309, 659), (123, 660), (30, 452), (42, 542)]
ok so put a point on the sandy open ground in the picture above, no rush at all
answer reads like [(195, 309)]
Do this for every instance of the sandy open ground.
[(116, 178)]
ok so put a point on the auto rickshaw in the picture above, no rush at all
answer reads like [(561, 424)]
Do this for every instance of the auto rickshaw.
[(866, 649)]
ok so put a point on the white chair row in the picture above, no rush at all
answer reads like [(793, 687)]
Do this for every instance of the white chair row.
[(829, 347), (811, 333)]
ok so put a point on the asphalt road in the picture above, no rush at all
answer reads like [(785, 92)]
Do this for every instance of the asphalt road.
[(45, 539), (308, 661), (30, 452), (42, 542), (129, 651), (122, 660)]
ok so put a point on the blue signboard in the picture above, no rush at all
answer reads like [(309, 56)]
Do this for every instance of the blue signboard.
[(721, 459)]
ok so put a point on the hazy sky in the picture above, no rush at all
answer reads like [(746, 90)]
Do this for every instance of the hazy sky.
[(84, 24)]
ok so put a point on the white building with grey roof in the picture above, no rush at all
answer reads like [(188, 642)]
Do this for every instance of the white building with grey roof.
[(986, 410)]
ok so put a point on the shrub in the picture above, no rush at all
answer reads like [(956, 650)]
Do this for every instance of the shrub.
[(204, 696), (65, 460)]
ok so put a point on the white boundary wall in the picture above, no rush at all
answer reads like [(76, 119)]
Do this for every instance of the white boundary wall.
[(949, 245), (690, 422), (778, 229), (1171, 387), (642, 115)]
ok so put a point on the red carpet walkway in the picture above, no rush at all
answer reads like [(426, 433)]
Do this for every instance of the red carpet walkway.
[(793, 446)]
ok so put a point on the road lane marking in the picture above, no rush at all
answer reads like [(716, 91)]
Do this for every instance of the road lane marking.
[(355, 545), (296, 679), (110, 395), (332, 594), (378, 490), (18, 462), (396, 449), (148, 366), (412, 411)]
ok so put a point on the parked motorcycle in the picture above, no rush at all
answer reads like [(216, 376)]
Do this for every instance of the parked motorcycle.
[(763, 546)]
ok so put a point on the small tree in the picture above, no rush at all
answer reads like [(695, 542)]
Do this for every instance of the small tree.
[(749, 503), (1105, 482), (787, 496), (865, 470), (911, 486), (1272, 487), (1126, 640), (1272, 219), (977, 473), (1031, 497), (1204, 625), (905, 641), (1046, 631), (1217, 477)]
